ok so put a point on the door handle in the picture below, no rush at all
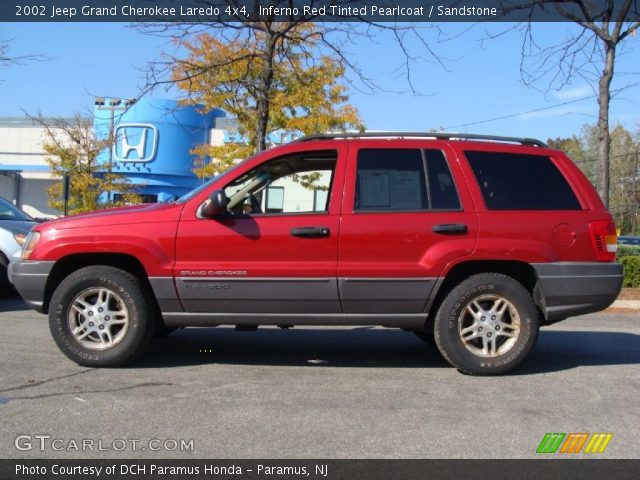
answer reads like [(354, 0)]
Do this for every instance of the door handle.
[(310, 232), (450, 228)]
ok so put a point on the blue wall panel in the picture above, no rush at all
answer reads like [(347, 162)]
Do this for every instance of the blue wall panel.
[(153, 140)]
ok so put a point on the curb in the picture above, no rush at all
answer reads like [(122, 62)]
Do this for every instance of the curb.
[(626, 304)]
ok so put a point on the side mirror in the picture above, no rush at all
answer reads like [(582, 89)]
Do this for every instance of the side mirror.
[(216, 204)]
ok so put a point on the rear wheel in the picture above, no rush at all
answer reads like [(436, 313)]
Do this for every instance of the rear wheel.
[(487, 325), (100, 317)]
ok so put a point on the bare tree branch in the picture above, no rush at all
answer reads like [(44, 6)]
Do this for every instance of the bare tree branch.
[(589, 53), (333, 37), (7, 59)]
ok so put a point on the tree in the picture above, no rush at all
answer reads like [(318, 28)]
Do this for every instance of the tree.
[(73, 151), (277, 56), (583, 150), (575, 147), (588, 53), (622, 177), (270, 77), (7, 59)]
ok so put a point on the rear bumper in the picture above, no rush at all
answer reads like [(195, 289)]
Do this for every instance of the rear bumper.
[(566, 289), (30, 279)]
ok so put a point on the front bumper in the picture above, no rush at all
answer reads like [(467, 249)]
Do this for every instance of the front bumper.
[(30, 279), (567, 289)]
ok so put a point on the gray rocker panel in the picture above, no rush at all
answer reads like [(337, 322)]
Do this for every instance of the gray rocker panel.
[(384, 295), (259, 295)]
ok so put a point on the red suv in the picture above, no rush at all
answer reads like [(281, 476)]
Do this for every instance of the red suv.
[(472, 242)]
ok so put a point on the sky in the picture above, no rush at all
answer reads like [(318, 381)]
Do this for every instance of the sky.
[(474, 87)]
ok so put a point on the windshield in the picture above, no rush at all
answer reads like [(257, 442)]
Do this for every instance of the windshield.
[(195, 191), (206, 184), (8, 211)]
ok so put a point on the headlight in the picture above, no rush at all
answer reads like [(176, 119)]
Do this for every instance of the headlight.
[(29, 244), (19, 238)]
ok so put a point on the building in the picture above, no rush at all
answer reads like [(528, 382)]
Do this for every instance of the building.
[(153, 138), (24, 173)]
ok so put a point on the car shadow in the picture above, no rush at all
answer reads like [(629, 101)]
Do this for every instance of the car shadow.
[(559, 350), (372, 347), (357, 347)]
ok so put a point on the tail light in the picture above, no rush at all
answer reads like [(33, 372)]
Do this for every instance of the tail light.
[(604, 240)]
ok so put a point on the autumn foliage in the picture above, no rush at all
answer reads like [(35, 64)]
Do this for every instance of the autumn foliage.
[(73, 150), (270, 77)]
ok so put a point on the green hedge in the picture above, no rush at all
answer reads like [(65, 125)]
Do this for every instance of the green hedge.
[(627, 251), (631, 271)]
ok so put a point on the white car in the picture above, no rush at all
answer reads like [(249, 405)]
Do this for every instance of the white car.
[(14, 227)]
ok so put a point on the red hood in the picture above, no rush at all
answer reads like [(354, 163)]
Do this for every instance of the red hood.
[(146, 213)]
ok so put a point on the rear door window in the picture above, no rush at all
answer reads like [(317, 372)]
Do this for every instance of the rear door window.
[(510, 181), (404, 180)]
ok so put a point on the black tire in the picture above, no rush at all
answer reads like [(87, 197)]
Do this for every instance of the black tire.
[(6, 288), (511, 340), (4, 263), (126, 295)]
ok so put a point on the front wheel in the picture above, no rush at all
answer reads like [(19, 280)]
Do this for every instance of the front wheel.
[(100, 317), (487, 325), (5, 285)]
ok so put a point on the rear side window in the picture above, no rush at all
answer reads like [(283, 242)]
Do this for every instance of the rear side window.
[(404, 179), (510, 181)]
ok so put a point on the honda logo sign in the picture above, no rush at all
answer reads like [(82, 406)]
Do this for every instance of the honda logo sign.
[(135, 142)]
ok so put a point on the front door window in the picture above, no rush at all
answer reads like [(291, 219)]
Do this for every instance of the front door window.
[(292, 184)]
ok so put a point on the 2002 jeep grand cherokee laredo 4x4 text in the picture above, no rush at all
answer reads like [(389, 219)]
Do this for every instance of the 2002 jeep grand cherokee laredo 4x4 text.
[(469, 241)]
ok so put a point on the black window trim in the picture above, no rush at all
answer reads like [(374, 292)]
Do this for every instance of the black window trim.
[(453, 180), (438, 210), (279, 214), (426, 176)]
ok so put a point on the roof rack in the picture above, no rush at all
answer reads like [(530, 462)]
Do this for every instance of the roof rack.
[(437, 135)]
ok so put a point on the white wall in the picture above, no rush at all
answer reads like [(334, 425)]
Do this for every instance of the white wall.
[(7, 183), (298, 198), (21, 147), (33, 195)]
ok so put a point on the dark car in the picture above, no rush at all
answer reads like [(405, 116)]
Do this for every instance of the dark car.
[(629, 241)]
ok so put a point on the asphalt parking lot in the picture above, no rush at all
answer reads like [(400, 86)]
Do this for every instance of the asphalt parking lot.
[(314, 393)]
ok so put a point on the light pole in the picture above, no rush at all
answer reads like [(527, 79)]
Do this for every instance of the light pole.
[(112, 105)]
